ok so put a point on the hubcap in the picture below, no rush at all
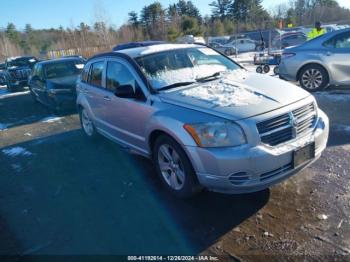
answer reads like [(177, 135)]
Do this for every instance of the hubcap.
[(171, 167), (87, 124), (312, 78)]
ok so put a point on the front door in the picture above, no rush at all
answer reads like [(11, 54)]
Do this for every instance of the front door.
[(126, 117)]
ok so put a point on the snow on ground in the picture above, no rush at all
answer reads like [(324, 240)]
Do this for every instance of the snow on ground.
[(3, 126), (6, 94), (16, 151), (51, 119)]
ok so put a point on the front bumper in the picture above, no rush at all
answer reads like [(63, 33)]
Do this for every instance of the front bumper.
[(249, 168), (287, 72)]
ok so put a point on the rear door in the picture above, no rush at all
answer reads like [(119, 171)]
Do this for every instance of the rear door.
[(337, 57), (93, 90)]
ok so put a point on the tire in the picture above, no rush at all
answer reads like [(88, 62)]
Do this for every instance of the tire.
[(276, 70), (259, 69), (177, 173), (313, 78), (227, 52), (86, 124), (266, 69), (33, 97)]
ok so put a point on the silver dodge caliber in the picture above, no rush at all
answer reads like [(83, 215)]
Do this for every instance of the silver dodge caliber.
[(204, 120)]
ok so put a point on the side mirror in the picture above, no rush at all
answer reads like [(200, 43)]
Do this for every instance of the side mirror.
[(125, 91)]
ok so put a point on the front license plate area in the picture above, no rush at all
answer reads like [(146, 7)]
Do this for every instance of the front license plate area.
[(303, 155)]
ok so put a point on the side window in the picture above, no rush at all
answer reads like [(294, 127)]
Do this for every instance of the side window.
[(85, 73), (340, 41), (118, 75), (95, 77)]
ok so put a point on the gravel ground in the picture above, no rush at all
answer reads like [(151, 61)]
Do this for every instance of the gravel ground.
[(63, 194)]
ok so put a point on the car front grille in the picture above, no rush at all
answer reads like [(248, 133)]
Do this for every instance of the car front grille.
[(288, 126)]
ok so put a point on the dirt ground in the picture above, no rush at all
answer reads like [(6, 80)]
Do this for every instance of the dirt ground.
[(63, 194)]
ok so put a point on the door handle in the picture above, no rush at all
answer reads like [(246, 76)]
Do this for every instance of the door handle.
[(107, 98)]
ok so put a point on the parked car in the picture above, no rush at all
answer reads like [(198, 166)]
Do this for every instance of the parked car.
[(136, 44), (53, 82), (227, 50), (289, 40), (17, 71), (2, 75), (319, 62), (218, 39), (242, 45), (190, 39), (203, 119)]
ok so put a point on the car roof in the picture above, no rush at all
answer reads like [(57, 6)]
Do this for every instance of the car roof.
[(147, 50)]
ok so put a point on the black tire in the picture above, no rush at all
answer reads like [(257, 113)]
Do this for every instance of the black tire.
[(266, 69), (276, 70), (259, 69), (319, 74), (190, 185), (33, 96), (9, 87), (91, 135)]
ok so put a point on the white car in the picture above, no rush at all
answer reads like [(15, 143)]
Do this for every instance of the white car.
[(242, 45)]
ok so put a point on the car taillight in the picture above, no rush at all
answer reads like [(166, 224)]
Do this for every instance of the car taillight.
[(287, 55)]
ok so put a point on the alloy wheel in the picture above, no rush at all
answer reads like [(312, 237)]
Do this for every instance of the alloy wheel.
[(87, 123), (312, 78), (171, 167)]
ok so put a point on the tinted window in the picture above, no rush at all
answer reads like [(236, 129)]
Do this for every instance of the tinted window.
[(117, 75), (38, 70), (96, 74), (339, 41)]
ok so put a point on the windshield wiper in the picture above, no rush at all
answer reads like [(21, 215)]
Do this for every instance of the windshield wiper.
[(176, 85), (203, 79)]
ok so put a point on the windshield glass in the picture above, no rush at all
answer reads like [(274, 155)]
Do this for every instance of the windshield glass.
[(183, 65), (22, 62), (63, 69)]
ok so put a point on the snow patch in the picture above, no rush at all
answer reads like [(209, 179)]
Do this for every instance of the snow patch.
[(51, 119), (16, 151), (3, 126), (7, 94), (224, 92)]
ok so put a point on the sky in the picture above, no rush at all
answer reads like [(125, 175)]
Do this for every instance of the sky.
[(68, 13)]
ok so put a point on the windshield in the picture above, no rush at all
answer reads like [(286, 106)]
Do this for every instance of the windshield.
[(22, 62), (63, 69), (183, 65)]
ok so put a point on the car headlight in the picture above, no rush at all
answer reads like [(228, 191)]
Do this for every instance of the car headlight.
[(216, 134)]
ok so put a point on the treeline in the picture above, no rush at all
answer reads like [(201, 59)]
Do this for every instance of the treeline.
[(158, 22)]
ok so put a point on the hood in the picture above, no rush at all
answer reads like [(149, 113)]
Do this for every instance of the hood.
[(236, 95), (63, 82)]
